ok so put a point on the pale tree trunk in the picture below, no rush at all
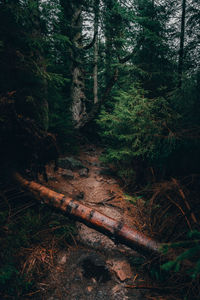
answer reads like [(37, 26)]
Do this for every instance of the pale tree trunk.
[(95, 70), (108, 40), (78, 84), (182, 37), (73, 13), (78, 96)]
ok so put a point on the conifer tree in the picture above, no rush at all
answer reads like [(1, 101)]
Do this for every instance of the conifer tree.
[(153, 55), (22, 58)]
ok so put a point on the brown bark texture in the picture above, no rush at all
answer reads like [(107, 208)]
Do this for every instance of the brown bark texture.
[(91, 217)]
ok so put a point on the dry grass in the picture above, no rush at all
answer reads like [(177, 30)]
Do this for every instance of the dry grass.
[(171, 210), (36, 257)]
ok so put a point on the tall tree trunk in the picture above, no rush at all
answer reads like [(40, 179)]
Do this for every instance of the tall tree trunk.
[(78, 84), (181, 49), (95, 70), (72, 28), (108, 40), (43, 107)]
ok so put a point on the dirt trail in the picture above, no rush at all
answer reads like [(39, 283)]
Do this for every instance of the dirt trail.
[(90, 182), (97, 268), (95, 187)]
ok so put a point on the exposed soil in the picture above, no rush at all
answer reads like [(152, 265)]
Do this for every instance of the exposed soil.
[(96, 267), (97, 189)]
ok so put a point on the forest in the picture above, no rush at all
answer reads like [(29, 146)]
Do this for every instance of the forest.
[(99, 106)]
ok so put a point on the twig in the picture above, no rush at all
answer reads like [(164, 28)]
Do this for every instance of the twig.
[(153, 288), (185, 201), (33, 293), (182, 211)]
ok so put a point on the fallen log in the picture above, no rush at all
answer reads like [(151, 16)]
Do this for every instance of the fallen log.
[(111, 227)]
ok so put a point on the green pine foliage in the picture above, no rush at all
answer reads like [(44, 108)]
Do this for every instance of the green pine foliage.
[(191, 254), (138, 128), (60, 120), (23, 59), (153, 56), (185, 102)]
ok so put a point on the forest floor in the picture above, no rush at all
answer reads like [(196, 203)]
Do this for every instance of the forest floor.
[(95, 267)]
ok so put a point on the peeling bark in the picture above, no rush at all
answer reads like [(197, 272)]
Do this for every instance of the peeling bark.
[(91, 217), (78, 96), (78, 84), (95, 70), (181, 49)]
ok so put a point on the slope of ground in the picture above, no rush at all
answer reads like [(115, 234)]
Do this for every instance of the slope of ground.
[(96, 267)]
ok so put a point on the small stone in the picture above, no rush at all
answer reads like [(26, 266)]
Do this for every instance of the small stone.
[(70, 163), (79, 196), (121, 268), (84, 172), (94, 280), (52, 178), (62, 258), (89, 289), (67, 174), (95, 164)]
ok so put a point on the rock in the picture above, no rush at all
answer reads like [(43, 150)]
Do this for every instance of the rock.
[(52, 178), (67, 174), (89, 289), (62, 258), (84, 172), (70, 163), (95, 164), (79, 196), (121, 268)]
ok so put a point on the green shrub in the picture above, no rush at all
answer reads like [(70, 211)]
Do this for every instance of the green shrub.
[(190, 253), (138, 128)]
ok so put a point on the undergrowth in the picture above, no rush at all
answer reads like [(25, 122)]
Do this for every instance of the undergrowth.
[(170, 213), (30, 237)]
